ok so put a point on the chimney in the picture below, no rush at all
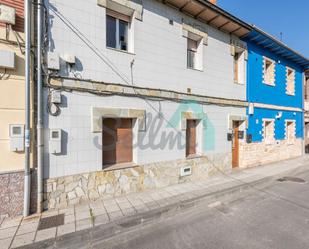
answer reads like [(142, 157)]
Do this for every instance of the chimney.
[(213, 1)]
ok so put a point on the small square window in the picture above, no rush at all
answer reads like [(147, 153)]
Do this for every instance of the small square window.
[(290, 81), (269, 72)]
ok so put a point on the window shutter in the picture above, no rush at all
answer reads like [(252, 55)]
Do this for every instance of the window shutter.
[(192, 45)]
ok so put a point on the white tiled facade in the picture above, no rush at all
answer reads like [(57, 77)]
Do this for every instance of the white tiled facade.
[(160, 61), (160, 58)]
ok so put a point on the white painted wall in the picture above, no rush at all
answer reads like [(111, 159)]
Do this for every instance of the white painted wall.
[(82, 150), (159, 50)]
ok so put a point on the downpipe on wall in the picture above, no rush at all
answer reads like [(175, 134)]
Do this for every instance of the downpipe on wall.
[(27, 177), (39, 109)]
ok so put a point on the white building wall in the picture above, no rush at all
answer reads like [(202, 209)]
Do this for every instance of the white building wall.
[(160, 58), (82, 151)]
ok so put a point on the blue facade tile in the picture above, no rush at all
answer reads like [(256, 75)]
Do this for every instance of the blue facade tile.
[(259, 92), (255, 123)]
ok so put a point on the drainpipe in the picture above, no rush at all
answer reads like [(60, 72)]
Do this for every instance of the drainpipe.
[(39, 109), (27, 5)]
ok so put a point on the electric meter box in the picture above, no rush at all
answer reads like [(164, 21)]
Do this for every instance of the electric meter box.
[(7, 59), (55, 141), (7, 14), (55, 97), (17, 138)]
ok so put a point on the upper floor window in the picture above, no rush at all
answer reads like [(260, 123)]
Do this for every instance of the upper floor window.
[(117, 30), (269, 72), (239, 66), (191, 53), (194, 51), (290, 81)]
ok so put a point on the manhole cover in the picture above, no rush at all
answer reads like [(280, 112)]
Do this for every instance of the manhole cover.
[(291, 179), (52, 221)]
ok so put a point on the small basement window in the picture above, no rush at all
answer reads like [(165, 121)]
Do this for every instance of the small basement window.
[(269, 72), (117, 30), (269, 131), (290, 81)]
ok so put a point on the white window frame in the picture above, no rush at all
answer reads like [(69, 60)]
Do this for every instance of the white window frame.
[(288, 82), (268, 141), (266, 79), (198, 60), (130, 39)]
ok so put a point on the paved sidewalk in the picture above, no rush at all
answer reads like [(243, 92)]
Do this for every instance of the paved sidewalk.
[(23, 231)]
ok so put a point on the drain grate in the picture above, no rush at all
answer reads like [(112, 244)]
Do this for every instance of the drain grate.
[(291, 179), (52, 221)]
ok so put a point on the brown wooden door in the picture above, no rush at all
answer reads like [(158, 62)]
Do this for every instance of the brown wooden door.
[(117, 141), (235, 145), (191, 138)]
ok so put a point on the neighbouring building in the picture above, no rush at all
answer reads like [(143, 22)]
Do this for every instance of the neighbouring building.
[(306, 107), (140, 95), (12, 107), (275, 95)]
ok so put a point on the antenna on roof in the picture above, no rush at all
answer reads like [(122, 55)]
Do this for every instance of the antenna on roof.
[(281, 35)]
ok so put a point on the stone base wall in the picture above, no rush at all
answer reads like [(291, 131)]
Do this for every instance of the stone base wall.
[(11, 193), (255, 154), (65, 191)]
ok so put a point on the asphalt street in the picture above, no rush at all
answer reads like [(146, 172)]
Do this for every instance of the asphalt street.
[(273, 217)]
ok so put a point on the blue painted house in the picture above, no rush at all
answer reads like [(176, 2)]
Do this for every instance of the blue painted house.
[(275, 128)]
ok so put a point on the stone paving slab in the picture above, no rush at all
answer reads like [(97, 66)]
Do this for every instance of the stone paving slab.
[(22, 231)]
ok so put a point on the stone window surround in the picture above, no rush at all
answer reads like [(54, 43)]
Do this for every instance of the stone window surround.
[(139, 124), (97, 113), (201, 125), (240, 118), (267, 142), (286, 131), (135, 9), (265, 81), (201, 38), (128, 8), (290, 90)]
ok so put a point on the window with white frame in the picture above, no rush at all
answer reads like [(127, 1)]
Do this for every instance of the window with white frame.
[(290, 81), (194, 51), (117, 30), (191, 53), (269, 131), (290, 130), (269, 71)]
